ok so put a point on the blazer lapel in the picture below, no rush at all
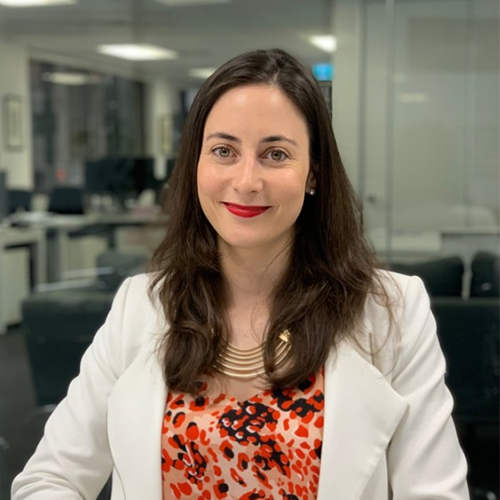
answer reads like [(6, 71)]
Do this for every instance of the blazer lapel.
[(362, 412), (135, 420)]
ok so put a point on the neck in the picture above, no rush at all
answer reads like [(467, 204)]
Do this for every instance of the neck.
[(252, 275)]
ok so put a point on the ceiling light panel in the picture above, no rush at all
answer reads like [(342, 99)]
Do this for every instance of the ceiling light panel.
[(35, 3), (188, 3), (202, 73), (328, 43), (141, 52), (75, 79)]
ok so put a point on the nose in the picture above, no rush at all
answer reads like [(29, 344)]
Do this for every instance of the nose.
[(248, 175)]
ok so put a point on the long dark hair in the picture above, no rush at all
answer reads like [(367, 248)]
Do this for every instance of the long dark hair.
[(320, 297)]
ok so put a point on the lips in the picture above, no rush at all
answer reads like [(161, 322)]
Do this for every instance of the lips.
[(245, 211)]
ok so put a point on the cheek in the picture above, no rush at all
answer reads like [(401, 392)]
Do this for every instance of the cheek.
[(205, 181), (292, 189)]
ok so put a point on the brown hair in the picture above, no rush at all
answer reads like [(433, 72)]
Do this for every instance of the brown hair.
[(331, 270)]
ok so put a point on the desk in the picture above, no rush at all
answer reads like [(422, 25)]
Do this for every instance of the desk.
[(462, 241), (467, 241), (32, 238), (405, 244), (58, 228)]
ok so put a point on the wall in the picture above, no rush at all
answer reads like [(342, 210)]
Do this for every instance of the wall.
[(161, 106), (415, 110), (347, 26), (445, 112), (14, 79)]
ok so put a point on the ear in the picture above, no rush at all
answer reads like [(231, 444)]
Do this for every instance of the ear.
[(311, 179)]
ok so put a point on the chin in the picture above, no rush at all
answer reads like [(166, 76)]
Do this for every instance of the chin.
[(254, 243), (242, 244)]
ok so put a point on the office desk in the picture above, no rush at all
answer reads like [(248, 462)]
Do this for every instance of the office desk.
[(405, 244), (462, 241), (33, 239), (467, 241), (110, 222), (58, 229)]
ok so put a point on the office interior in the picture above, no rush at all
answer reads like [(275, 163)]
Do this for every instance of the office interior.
[(88, 140)]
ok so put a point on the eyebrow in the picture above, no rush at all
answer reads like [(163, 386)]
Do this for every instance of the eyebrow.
[(271, 138), (278, 138), (223, 135)]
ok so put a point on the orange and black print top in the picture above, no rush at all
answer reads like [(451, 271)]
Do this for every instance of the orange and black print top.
[(267, 447)]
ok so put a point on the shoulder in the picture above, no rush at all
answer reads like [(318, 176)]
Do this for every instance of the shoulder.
[(396, 319), (393, 293), (134, 300), (136, 315), (399, 285)]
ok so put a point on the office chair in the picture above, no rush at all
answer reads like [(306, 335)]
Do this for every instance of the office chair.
[(442, 277), (61, 323), (3, 463), (468, 334), (485, 269)]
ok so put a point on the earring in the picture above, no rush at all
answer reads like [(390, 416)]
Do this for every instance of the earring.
[(311, 192)]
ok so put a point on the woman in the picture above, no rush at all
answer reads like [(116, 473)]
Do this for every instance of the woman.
[(295, 369)]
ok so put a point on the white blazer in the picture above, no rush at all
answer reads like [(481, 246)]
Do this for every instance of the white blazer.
[(387, 433)]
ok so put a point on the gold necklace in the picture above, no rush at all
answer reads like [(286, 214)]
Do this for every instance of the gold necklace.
[(249, 363)]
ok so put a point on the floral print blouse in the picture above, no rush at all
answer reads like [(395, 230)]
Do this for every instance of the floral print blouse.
[(267, 447)]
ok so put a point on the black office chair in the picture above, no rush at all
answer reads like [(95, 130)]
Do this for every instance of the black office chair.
[(61, 323), (485, 269), (468, 333), (442, 277), (3, 464)]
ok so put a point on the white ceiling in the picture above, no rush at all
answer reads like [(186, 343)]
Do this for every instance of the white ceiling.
[(203, 35)]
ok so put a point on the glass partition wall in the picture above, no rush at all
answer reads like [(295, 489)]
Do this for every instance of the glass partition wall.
[(416, 113), (427, 168)]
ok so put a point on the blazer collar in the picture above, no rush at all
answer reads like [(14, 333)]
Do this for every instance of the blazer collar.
[(362, 412)]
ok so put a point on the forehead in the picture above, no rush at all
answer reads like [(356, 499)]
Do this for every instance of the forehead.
[(263, 108)]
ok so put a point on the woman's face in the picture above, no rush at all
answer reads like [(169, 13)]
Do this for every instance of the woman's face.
[(253, 169)]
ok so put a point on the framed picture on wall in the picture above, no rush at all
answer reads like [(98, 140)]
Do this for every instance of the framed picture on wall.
[(165, 134), (12, 113)]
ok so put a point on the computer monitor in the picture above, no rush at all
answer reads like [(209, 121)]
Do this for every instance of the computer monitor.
[(123, 178), (4, 202), (143, 174), (67, 200), (19, 200), (95, 173)]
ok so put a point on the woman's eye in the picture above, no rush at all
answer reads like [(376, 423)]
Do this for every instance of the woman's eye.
[(222, 152), (277, 155)]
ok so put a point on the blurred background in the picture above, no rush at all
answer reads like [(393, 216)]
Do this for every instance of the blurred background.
[(93, 97)]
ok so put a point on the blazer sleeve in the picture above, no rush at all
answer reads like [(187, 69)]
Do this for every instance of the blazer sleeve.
[(73, 459), (425, 460)]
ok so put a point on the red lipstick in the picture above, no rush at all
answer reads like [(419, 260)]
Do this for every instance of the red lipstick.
[(245, 210)]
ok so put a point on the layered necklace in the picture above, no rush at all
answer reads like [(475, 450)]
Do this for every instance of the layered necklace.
[(249, 363)]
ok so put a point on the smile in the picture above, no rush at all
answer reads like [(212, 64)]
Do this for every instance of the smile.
[(245, 210)]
